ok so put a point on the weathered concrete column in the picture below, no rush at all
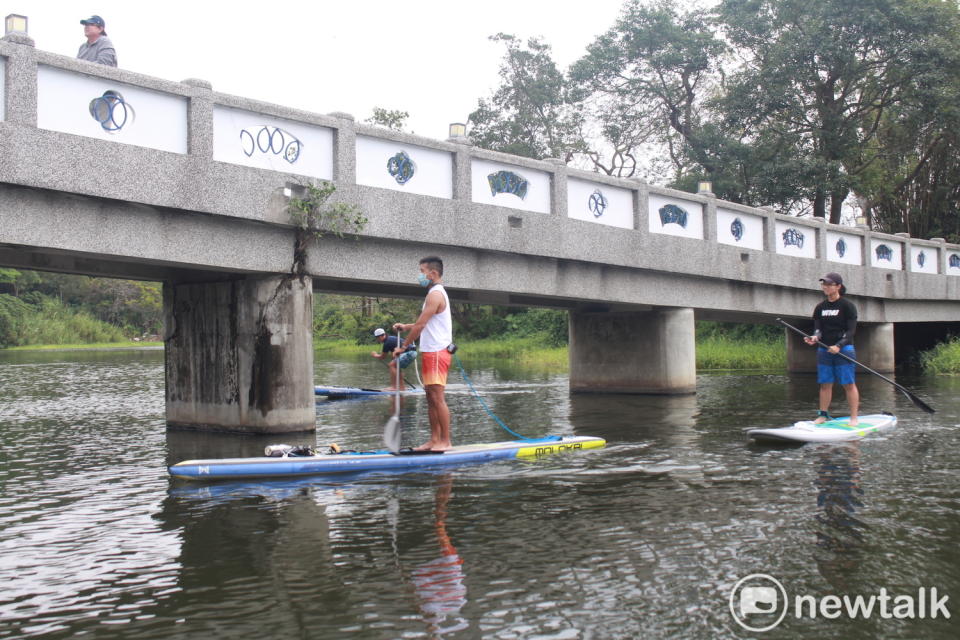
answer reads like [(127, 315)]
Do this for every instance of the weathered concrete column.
[(875, 347), (801, 357), (239, 355), (648, 352), (873, 343)]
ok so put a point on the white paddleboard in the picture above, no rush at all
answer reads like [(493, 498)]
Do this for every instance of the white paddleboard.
[(836, 430)]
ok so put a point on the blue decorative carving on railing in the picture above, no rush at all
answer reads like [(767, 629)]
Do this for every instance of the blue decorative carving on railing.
[(736, 229), (597, 203), (672, 213), (111, 111), (793, 237), (841, 247), (921, 259), (954, 261), (884, 253), (508, 182), (401, 167), (271, 140)]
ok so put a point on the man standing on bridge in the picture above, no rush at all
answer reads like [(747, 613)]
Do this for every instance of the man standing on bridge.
[(834, 325), (434, 327), (98, 47)]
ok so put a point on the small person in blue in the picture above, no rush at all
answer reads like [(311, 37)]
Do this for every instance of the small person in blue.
[(834, 324), (389, 344)]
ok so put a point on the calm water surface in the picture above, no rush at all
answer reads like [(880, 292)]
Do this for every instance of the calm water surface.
[(645, 538)]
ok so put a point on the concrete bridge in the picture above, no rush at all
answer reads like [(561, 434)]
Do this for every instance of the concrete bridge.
[(107, 172)]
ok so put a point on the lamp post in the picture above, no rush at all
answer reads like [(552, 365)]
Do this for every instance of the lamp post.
[(458, 130), (15, 23), (705, 186)]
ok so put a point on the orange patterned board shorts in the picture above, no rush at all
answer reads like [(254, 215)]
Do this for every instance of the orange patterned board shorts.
[(435, 367)]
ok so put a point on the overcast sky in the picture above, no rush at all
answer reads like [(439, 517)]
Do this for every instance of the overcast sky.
[(431, 58)]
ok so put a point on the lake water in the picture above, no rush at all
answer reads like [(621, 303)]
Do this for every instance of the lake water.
[(645, 538)]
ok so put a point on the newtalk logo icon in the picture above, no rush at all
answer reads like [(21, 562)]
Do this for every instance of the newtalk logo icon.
[(759, 603)]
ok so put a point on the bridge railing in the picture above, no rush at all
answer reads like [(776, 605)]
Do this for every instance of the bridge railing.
[(108, 112)]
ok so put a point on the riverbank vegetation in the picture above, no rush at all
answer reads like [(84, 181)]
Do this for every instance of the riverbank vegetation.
[(38, 308), (943, 359), (57, 311)]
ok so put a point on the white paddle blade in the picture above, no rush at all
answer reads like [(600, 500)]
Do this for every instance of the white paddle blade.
[(391, 434)]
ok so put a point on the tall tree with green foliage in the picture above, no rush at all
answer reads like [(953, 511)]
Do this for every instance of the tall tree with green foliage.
[(649, 77), (532, 113), (820, 78)]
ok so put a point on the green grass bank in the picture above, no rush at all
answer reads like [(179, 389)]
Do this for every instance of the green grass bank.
[(943, 359), (713, 353)]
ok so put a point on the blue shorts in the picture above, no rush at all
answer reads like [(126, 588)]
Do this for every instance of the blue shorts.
[(834, 368), (405, 358)]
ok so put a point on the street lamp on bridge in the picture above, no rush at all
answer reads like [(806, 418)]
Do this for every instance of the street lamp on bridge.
[(15, 23)]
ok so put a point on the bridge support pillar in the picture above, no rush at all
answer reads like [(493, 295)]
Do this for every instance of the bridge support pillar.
[(239, 355), (801, 357), (643, 352), (874, 345)]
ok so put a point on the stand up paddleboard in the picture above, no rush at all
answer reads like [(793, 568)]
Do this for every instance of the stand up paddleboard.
[(353, 462), (835, 430), (356, 392)]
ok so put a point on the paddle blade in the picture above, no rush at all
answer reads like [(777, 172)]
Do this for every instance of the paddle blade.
[(391, 434), (917, 402)]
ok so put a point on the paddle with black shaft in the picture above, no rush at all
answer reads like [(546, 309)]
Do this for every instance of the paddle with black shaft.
[(913, 398), (391, 432)]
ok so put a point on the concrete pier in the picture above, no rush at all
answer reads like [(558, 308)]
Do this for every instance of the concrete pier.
[(644, 352), (875, 346), (239, 355), (873, 342)]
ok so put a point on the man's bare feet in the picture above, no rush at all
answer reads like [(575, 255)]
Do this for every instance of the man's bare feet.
[(819, 420), (431, 446)]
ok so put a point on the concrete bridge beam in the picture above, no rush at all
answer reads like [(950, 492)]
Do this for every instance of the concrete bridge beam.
[(239, 355), (642, 352)]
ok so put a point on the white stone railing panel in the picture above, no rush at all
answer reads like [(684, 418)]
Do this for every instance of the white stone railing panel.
[(596, 202), (886, 254), (796, 239), (924, 259), (953, 263), (507, 185), (96, 107), (675, 216), (3, 88), (739, 229), (404, 167), (266, 142), (846, 248)]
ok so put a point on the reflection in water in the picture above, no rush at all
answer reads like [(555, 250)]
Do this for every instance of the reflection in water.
[(840, 534), (97, 541), (439, 583)]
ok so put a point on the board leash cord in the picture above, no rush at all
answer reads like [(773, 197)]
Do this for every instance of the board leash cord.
[(490, 413)]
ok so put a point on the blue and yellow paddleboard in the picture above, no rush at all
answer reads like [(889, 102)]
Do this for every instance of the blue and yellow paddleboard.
[(354, 462), (835, 430), (357, 392)]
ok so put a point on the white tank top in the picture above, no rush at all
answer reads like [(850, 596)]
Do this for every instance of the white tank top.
[(439, 330)]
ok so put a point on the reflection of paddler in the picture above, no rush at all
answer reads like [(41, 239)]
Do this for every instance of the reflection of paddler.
[(839, 495), (439, 584)]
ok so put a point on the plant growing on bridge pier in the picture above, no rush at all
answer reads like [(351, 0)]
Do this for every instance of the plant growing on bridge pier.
[(313, 216)]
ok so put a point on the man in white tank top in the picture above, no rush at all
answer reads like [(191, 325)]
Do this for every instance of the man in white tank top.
[(434, 328)]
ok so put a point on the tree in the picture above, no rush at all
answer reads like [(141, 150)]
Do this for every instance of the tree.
[(389, 118), (532, 113), (650, 77), (819, 79)]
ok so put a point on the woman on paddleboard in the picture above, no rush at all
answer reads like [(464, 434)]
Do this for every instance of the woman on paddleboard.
[(834, 324)]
